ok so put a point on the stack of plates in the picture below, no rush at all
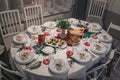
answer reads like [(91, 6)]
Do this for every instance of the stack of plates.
[(73, 21), (24, 56), (20, 38), (82, 56), (33, 29), (50, 24), (96, 26)]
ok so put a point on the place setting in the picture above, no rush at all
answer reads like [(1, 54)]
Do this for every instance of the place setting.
[(58, 66), (104, 37), (34, 29), (24, 56), (98, 48), (95, 28), (20, 38), (79, 56), (28, 58)]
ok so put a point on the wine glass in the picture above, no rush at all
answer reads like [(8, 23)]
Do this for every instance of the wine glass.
[(51, 57)]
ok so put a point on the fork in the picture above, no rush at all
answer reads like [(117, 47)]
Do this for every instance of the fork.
[(90, 52), (103, 44)]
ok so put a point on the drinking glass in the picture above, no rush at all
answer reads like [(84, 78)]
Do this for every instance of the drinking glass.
[(41, 39)]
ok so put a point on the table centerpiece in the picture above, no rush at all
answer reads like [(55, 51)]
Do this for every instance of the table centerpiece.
[(63, 24)]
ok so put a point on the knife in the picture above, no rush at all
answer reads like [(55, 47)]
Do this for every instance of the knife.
[(34, 65)]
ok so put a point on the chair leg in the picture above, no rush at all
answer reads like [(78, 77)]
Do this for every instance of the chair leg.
[(116, 63), (0, 74), (109, 69)]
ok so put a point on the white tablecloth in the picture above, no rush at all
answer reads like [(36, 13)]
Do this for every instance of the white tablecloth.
[(78, 71)]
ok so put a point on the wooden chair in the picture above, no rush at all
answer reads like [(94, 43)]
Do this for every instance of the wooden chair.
[(8, 74), (98, 73), (96, 11), (10, 24), (33, 15)]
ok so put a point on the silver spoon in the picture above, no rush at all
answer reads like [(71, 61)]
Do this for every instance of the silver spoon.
[(90, 52)]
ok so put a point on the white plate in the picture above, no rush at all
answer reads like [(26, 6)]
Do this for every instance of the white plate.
[(76, 28), (102, 49), (49, 24), (84, 22), (62, 47), (20, 42), (28, 60), (30, 29), (48, 50), (101, 37), (63, 70), (85, 59), (97, 27), (73, 21)]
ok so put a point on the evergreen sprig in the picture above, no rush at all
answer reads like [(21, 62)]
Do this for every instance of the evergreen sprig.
[(63, 24)]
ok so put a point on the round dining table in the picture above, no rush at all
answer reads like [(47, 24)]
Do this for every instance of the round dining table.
[(76, 69)]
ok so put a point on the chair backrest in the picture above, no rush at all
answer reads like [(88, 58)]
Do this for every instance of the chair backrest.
[(114, 31), (10, 74), (95, 73), (33, 15), (111, 56), (97, 8), (10, 22), (113, 26), (99, 70), (116, 61)]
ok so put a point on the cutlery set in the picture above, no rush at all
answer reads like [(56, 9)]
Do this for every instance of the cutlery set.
[(34, 64)]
